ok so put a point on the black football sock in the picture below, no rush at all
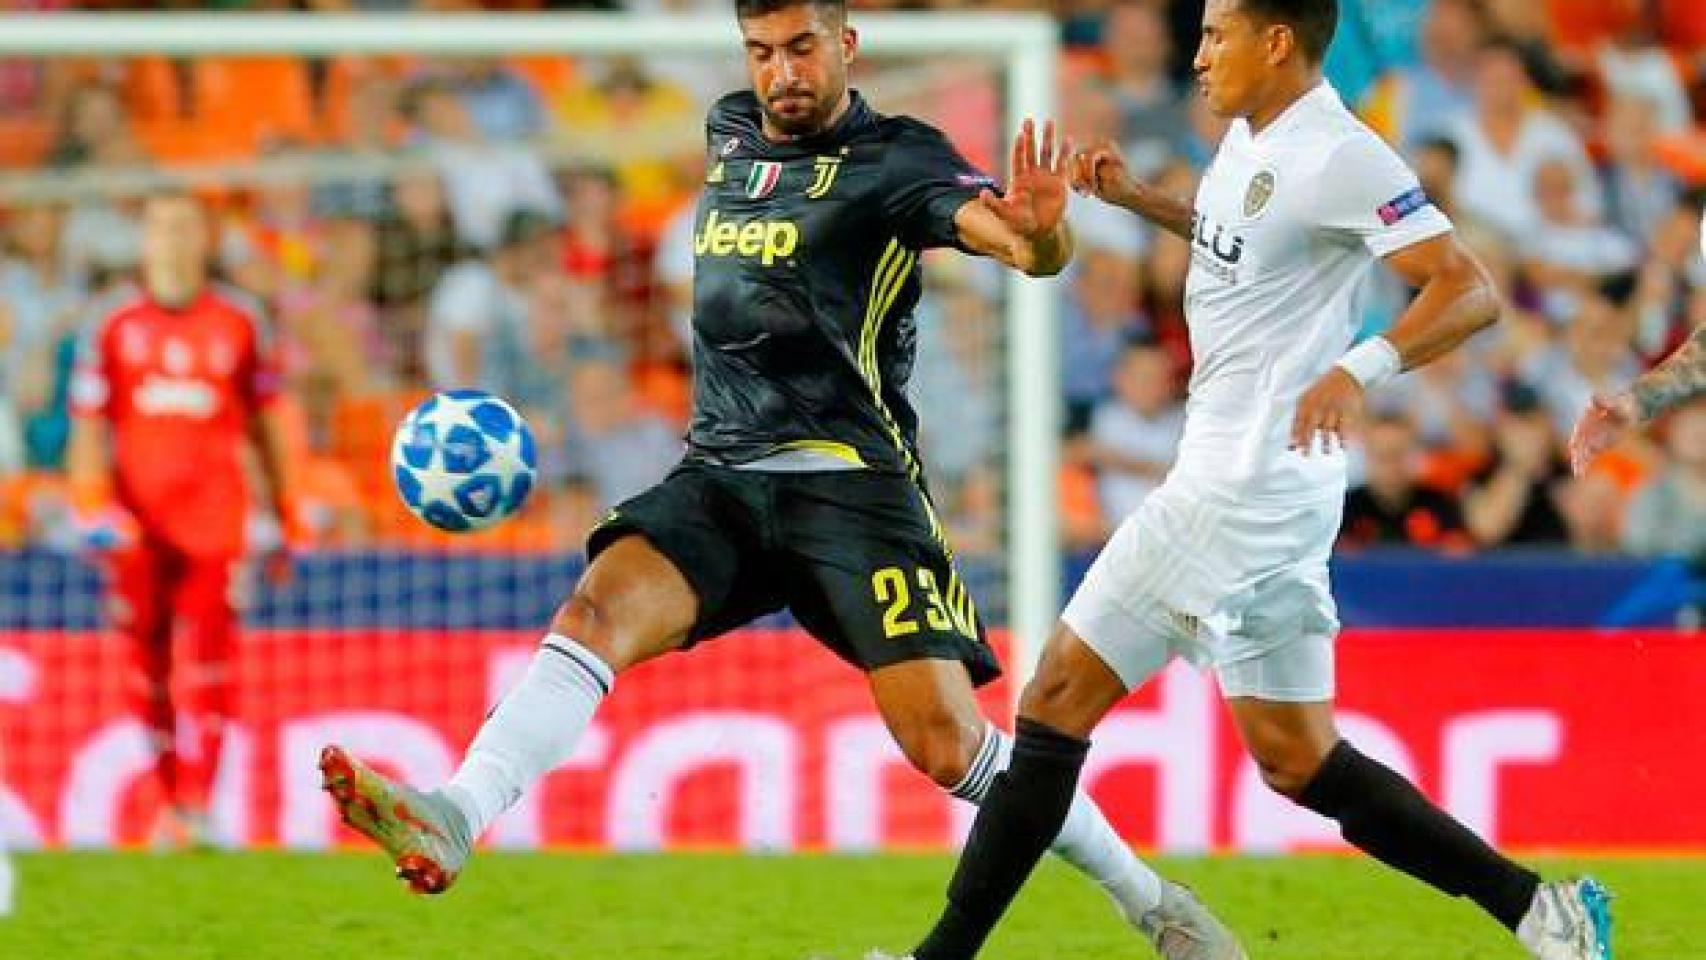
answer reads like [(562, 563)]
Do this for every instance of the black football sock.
[(1022, 814), (1386, 817)]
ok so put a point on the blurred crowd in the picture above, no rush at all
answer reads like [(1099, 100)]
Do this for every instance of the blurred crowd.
[(525, 225)]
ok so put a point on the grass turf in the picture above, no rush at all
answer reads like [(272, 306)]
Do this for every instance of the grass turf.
[(262, 906)]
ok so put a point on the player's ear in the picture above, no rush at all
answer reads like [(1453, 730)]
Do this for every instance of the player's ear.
[(849, 43), (1280, 41)]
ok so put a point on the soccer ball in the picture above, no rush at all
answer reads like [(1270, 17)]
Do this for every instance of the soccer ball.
[(463, 460)]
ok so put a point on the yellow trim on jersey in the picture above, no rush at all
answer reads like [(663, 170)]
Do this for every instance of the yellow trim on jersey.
[(830, 448), (894, 268)]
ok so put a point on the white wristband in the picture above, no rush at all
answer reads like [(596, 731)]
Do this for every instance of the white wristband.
[(1372, 362)]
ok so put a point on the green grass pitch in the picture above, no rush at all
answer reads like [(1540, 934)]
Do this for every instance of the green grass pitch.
[(262, 906)]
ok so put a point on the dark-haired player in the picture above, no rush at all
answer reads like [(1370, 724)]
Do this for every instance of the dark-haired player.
[(1226, 563), (801, 487)]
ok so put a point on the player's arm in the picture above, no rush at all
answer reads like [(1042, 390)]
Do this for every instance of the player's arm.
[(1680, 377), (1101, 172), (1026, 227), (1455, 299), (267, 432)]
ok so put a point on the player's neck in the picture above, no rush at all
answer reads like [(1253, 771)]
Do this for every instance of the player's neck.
[(1286, 93), (180, 298)]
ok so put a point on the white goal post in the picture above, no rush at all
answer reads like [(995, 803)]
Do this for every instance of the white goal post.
[(1026, 44)]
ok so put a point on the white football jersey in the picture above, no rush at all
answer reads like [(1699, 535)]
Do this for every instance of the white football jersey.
[(1289, 222)]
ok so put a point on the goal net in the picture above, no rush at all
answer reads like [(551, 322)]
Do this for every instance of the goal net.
[(405, 195)]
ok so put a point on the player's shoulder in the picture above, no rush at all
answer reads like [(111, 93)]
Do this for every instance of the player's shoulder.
[(734, 112), (113, 307), (902, 130)]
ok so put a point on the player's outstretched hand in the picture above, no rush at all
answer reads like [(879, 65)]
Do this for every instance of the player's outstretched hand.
[(1326, 411), (1601, 424), (1100, 171), (1035, 202)]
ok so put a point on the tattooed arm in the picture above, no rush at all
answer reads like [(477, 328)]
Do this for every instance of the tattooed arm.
[(1681, 377)]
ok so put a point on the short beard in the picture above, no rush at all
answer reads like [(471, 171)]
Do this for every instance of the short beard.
[(812, 123)]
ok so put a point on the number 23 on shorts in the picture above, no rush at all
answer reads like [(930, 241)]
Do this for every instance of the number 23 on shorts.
[(951, 612)]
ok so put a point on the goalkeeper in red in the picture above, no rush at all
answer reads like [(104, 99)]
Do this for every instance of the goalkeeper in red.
[(171, 385), (802, 487)]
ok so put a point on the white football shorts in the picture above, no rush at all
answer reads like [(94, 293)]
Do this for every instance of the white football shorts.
[(1240, 585)]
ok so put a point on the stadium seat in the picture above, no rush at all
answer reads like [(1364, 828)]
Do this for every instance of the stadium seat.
[(24, 141), (1580, 25), (250, 100)]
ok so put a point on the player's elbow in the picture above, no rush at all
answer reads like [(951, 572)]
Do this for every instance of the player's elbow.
[(1473, 288)]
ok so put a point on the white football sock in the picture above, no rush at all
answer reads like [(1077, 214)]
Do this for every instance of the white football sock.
[(7, 883), (1087, 840), (533, 729)]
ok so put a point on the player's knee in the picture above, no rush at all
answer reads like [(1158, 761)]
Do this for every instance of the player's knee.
[(586, 618), (1286, 765), (943, 750)]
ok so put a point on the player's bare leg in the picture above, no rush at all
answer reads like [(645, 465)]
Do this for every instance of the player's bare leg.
[(930, 708), (1301, 755), (631, 605)]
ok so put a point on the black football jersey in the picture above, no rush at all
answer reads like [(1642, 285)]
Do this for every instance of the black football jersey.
[(806, 276)]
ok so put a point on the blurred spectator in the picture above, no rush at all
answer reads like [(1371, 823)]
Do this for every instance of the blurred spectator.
[(1667, 517), (1099, 316), (484, 181), (656, 121), (1514, 501), (95, 136), (329, 329), (1527, 30), (1391, 505), (416, 239), (359, 188), (1664, 302), (611, 440), (1151, 113), (1449, 405), (611, 261), (279, 246), (1505, 142), (501, 102), (1592, 357), (1424, 101), (1569, 247), (95, 131), (1639, 193), (478, 318), (1134, 435), (1633, 65), (1436, 161), (37, 301), (957, 378)]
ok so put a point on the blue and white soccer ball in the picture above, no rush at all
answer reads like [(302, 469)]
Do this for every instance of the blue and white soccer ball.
[(463, 460)]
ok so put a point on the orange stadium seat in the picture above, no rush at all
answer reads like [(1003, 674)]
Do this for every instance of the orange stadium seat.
[(1682, 23), (551, 77), (153, 89), (1582, 24), (253, 99), (343, 76), (24, 141)]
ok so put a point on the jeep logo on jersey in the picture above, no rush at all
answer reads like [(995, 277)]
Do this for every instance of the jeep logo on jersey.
[(766, 240), (763, 179), (1257, 195)]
